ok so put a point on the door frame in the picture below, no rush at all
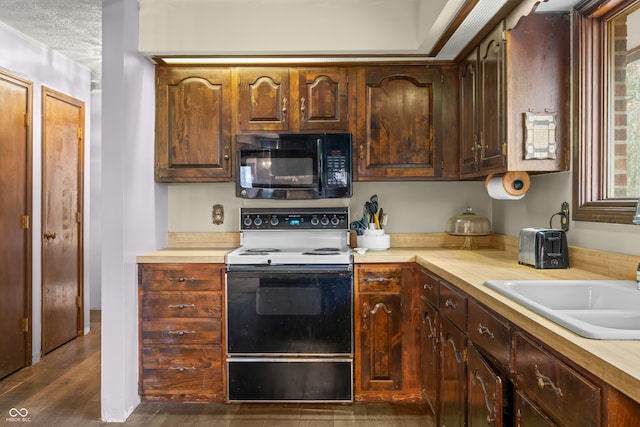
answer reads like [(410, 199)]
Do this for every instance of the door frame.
[(46, 91)]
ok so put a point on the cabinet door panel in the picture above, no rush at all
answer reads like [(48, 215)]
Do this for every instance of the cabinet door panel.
[(528, 415), (453, 383), (485, 392), (430, 353), (323, 99), (492, 101), (264, 99), (193, 132), (381, 345), (399, 114), (469, 146)]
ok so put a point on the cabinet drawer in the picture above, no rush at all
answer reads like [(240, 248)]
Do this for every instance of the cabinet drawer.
[(190, 277), (380, 279), (187, 332), (180, 304), (490, 334), (453, 305), (561, 392), (430, 286), (191, 371)]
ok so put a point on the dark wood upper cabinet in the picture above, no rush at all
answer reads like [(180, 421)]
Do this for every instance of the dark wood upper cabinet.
[(264, 99), (401, 130), (293, 99), (322, 100), (193, 124), (512, 72)]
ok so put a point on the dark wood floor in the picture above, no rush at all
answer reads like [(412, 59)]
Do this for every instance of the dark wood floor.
[(63, 390)]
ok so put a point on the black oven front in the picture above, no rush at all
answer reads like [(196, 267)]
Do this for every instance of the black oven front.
[(290, 333)]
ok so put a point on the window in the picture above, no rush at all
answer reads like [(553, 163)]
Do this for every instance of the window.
[(607, 155)]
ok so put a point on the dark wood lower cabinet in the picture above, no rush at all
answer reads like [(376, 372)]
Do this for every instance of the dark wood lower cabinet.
[(485, 399), (387, 333), (527, 415), (380, 335), (181, 332), (430, 354), (453, 392)]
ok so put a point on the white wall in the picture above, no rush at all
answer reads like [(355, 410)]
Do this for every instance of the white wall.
[(133, 206), (544, 198), (25, 58)]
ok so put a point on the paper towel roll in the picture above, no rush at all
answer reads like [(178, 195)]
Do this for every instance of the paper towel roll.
[(510, 186)]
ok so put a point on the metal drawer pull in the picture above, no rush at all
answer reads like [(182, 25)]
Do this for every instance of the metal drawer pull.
[(483, 330), (427, 286), (182, 306), (450, 304), (182, 368), (544, 382), (181, 279), (379, 280), (180, 332)]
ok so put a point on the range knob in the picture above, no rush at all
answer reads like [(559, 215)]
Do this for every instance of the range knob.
[(315, 220), (274, 221), (257, 221), (324, 220), (247, 221), (335, 220)]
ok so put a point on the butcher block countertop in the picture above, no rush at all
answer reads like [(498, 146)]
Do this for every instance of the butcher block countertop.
[(615, 362)]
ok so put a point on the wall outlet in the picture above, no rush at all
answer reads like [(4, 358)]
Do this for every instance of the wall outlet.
[(217, 214), (564, 216)]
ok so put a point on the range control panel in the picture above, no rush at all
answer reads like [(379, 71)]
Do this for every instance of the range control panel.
[(294, 219)]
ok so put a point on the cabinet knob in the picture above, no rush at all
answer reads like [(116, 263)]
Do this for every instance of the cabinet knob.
[(226, 157), (303, 110)]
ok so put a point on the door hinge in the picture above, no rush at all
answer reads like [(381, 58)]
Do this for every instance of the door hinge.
[(79, 301), (504, 35), (24, 324), (79, 133), (442, 164), (27, 119), (24, 222), (505, 149), (79, 217)]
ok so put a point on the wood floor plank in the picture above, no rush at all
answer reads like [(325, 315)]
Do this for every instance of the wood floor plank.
[(63, 390)]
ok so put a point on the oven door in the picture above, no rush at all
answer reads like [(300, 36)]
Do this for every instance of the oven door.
[(283, 311)]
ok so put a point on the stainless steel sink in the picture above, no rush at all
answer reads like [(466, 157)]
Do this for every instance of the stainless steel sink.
[(600, 309)]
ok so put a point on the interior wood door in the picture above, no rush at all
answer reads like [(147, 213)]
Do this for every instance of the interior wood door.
[(15, 214), (62, 170)]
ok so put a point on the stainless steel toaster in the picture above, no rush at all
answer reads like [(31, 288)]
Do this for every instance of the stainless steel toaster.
[(543, 248)]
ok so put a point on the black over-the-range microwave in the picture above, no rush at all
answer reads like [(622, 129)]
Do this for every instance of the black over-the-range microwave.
[(293, 166)]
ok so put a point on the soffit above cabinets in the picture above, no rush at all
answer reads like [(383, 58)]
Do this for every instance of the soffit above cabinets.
[(261, 27)]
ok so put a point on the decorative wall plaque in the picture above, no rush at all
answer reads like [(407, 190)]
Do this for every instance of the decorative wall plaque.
[(540, 135)]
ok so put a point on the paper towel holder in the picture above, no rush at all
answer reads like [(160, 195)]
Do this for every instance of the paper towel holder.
[(514, 183)]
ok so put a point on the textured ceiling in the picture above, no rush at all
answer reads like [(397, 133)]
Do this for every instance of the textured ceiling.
[(71, 27)]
